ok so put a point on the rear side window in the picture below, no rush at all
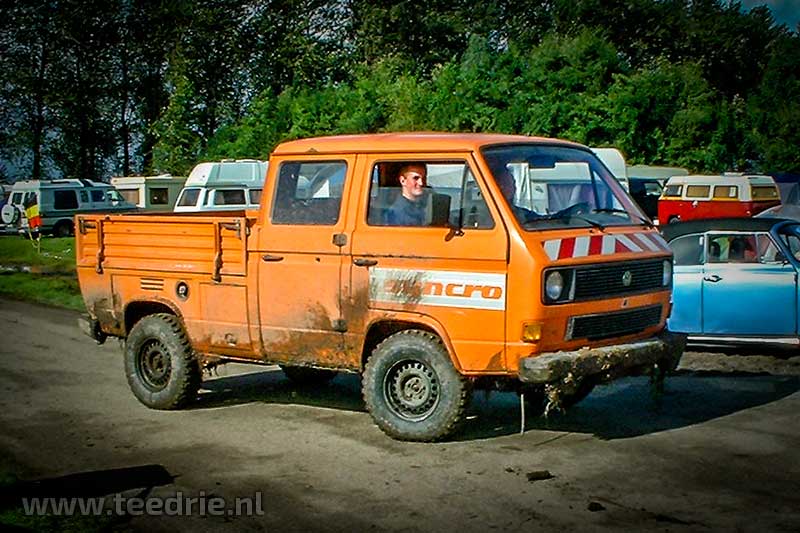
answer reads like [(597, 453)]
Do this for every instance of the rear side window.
[(159, 196), (255, 196), (131, 196), (309, 193), (673, 191), (726, 191), (697, 191), (65, 199), (97, 196), (688, 250), (765, 192), (229, 197)]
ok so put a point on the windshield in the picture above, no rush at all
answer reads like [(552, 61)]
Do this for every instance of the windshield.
[(551, 187)]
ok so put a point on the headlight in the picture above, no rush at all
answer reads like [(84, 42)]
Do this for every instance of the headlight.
[(667, 275), (554, 285)]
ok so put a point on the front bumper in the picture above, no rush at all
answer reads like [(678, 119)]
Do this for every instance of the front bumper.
[(604, 363)]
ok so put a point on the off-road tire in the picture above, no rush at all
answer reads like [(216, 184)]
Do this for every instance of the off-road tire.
[(161, 368), (412, 390), (307, 376)]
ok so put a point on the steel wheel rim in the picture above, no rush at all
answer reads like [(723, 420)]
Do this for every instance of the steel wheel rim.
[(411, 390), (154, 365)]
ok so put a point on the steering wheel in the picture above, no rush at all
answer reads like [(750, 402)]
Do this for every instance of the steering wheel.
[(577, 209)]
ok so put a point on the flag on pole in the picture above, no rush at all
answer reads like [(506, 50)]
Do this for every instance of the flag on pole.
[(31, 205)]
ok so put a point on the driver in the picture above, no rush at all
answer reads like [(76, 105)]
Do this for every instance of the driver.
[(409, 208), (508, 186)]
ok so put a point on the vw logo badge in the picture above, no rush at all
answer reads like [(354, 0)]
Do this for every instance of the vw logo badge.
[(627, 277)]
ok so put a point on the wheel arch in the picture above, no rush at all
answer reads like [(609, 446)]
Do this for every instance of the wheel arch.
[(138, 309), (63, 223), (382, 328)]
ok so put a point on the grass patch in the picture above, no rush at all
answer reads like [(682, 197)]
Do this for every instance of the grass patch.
[(60, 290), (57, 254)]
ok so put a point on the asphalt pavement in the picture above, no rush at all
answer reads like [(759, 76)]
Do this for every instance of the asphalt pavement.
[(719, 451)]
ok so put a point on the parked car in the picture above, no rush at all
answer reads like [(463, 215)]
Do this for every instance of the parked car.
[(56, 202), (150, 193), (223, 186), (646, 192), (735, 280), (790, 208)]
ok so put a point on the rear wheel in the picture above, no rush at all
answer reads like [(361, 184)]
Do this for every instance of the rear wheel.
[(63, 229), (412, 390), (673, 219), (159, 363)]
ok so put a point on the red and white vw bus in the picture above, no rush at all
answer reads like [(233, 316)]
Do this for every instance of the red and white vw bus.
[(728, 195)]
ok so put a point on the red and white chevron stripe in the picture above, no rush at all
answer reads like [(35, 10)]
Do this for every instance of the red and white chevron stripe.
[(604, 245)]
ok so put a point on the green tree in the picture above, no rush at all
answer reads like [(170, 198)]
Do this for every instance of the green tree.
[(179, 142), (774, 109)]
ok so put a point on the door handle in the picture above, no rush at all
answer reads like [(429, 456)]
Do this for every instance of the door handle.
[(713, 279), (271, 258), (362, 262)]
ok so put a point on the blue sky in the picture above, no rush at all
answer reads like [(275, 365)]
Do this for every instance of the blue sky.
[(784, 11)]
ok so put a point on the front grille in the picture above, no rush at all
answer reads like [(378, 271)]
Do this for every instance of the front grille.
[(603, 326), (596, 281)]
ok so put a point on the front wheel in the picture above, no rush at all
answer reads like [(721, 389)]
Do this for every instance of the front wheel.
[(159, 363), (412, 390)]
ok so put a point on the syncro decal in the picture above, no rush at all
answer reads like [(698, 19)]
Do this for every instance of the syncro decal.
[(604, 245), (445, 288)]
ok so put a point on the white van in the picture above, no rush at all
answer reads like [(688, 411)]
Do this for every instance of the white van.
[(615, 162), (58, 202), (150, 193), (223, 185)]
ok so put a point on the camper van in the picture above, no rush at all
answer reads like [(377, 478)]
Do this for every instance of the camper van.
[(57, 202), (615, 162), (150, 193), (223, 185), (728, 195)]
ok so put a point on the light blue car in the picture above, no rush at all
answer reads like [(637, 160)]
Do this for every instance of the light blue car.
[(735, 280)]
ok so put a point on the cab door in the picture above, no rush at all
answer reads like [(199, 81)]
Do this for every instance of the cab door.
[(430, 273), (303, 246)]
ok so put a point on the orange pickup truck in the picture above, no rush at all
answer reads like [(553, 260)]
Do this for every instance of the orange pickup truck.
[(524, 266)]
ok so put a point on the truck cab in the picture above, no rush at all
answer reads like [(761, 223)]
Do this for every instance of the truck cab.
[(529, 268)]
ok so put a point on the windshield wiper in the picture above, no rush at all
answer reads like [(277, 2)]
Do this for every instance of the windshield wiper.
[(609, 210), (568, 216), (612, 210)]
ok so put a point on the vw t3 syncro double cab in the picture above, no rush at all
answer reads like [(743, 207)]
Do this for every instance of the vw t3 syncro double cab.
[(482, 292)]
